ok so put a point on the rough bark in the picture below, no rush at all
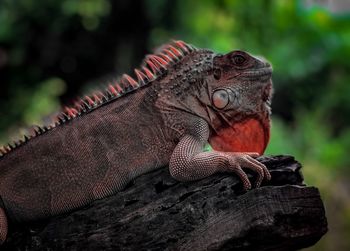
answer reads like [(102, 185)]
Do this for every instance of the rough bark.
[(158, 213)]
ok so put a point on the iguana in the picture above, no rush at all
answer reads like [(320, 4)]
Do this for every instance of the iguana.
[(183, 98)]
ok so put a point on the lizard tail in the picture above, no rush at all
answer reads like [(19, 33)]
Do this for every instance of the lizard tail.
[(3, 226)]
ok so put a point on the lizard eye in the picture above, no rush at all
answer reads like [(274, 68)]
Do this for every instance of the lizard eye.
[(217, 74), (238, 60), (220, 98)]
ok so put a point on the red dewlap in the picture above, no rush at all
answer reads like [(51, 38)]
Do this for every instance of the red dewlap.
[(248, 136)]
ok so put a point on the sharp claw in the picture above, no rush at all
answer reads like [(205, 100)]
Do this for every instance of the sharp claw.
[(247, 160), (246, 185), (267, 175), (236, 168), (258, 183), (266, 172), (257, 167), (246, 188)]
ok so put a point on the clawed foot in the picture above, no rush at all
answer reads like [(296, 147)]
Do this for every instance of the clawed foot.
[(238, 161)]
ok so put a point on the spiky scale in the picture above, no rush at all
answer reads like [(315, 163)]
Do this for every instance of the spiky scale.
[(118, 88), (149, 74), (37, 131), (69, 111), (191, 47), (89, 101), (175, 51), (74, 111), (161, 61), (130, 80), (125, 85), (171, 54), (3, 150), (112, 90), (78, 106), (96, 98), (166, 57), (102, 96), (61, 118), (182, 46), (108, 94), (84, 104), (141, 77), (66, 116), (156, 62), (156, 69)]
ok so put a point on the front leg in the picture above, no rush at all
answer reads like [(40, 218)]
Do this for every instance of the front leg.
[(189, 162)]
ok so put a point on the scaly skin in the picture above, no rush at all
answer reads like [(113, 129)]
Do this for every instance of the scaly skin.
[(191, 97)]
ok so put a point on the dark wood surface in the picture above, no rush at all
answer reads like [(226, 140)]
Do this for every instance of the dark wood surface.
[(157, 212)]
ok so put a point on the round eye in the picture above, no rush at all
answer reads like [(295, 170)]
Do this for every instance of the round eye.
[(221, 98), (238, 59), (217, 74)]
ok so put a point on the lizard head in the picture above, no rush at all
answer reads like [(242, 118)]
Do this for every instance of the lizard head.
[(239, 90)]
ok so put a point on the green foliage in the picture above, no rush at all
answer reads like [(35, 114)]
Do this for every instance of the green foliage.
[(90, 11), (309, 48), (29, 93)]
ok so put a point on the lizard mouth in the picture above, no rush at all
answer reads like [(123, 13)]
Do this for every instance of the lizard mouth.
[(250, 135), (261, 74)]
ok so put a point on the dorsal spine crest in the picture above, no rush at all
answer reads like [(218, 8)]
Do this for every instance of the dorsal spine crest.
[(153, 67)]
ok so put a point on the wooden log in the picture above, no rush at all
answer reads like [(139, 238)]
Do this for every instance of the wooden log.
[(157, 212)]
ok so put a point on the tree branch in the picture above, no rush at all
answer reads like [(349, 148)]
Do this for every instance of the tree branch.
[(157, 212)]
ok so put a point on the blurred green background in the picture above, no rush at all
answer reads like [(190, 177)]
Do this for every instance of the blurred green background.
[(54, 50)]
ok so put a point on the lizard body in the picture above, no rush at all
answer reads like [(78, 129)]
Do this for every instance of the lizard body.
[(183, 98)]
